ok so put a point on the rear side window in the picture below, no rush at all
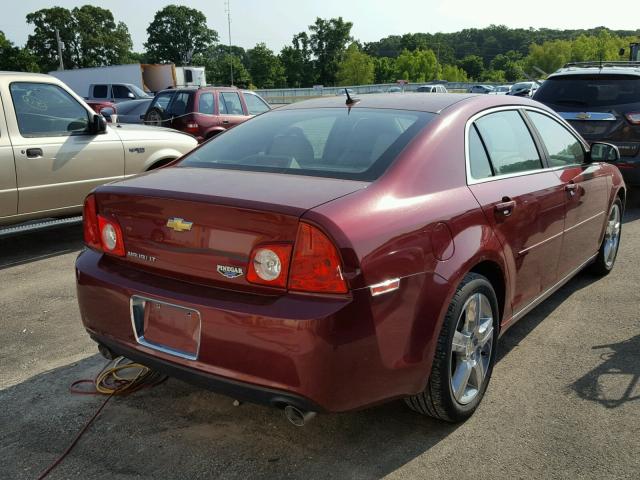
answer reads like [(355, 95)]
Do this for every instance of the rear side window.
[(327, 142), (590, 90), (255, 105), (478, 159), (230, 103), (563, 148), (180, 103), (100, 91), (508, 142), (206, 103)]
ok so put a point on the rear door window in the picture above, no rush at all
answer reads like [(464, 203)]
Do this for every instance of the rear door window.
[(478, 160), (206, 103), (563, 148), (231, 102), (162, 101), (179, 104), (509, 143)]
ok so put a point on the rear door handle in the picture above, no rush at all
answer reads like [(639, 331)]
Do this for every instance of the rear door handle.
[(34, 152), (505, 208)]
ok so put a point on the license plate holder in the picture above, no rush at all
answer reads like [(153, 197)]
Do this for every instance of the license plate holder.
[(166, 327)]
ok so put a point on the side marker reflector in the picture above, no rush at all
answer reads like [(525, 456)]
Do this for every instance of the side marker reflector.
[(384, 287)]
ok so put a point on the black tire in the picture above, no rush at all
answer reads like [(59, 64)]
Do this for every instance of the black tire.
[(438, 400), (604, 263), (154, 117)]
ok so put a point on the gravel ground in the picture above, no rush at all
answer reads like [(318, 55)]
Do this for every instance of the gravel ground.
[(564, 400)]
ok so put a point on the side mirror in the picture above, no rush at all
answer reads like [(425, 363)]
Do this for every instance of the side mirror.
[(131, 95), (621, 52), (107, 112), (98, 124), (604, 152)]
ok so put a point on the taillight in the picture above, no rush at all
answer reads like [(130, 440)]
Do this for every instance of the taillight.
[(192, 128), (90, 223), (269, 265), (634, 117), (315, 266), (111, 237)]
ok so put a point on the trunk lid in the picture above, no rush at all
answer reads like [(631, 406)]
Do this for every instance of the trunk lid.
[(200, 225)]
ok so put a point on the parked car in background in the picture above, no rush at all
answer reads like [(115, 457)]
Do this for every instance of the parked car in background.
[(328, 255), (132, 111), (98, 105), (602, 102), (54, 148), (431, 89), (116, 92), (501, 90), (394, 90), (523, 89), (204, 112), (480, 89)]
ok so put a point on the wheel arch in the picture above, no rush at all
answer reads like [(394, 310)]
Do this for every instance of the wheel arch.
[(494, 273)]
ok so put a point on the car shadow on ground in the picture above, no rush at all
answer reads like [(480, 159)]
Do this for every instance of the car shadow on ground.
[(616, 380), (175, 430), (38, 245)]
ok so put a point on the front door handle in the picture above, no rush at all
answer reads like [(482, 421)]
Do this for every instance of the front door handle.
[(34, 152), (572, 188), (505, 208)]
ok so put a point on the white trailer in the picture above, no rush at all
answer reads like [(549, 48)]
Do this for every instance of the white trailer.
[(149, 77)]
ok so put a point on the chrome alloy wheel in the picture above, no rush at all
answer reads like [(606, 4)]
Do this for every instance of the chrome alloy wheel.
[(471, 348), (612, 235)]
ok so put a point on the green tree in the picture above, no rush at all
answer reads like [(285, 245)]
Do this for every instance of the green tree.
[(384, 70), (177, 33), (42, 42), (100, 40), (328, 42), (510, 64), (90, 35), (14, 58), (417, 66), (357, 68), (473, 65), (265, 68), (549, 56), (453, 73), (297, 62)]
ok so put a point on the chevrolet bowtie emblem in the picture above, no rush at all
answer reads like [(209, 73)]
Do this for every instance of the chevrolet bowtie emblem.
[(179, 224)]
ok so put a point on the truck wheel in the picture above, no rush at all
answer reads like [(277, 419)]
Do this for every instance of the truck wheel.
[(465, 353), (154, 117)]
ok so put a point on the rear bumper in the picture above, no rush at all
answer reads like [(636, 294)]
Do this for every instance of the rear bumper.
[(317, 353)]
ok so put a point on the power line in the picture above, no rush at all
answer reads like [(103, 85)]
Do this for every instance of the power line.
[(227, 5)]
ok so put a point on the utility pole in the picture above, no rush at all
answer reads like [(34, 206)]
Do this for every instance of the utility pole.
[(227, 4), (61, 67)]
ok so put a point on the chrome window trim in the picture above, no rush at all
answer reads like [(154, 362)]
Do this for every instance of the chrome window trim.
[(472, 119)]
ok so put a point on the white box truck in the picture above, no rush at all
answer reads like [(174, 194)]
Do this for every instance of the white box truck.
[(145, 76)]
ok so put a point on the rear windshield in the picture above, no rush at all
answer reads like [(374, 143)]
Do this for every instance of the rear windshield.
[(590, 90), (356, 144)]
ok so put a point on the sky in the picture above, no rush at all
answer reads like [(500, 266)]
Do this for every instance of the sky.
[(276, 21)]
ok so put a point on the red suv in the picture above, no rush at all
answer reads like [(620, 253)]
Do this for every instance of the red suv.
[(332, 254), (203, 112)]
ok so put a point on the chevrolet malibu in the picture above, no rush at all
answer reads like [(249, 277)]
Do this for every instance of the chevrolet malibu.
[(332, 255)]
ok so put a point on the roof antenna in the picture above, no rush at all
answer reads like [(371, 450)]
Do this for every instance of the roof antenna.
[(350, 101)]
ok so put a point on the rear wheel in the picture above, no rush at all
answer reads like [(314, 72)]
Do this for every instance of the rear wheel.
[(609, 248), (465, 353)]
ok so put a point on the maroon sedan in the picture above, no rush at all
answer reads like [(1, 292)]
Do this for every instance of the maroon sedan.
[(327, 257)]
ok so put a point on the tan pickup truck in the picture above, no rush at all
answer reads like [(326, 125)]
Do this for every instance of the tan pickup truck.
[(54, 149)]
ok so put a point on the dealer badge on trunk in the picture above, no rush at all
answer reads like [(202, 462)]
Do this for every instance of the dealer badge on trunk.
[(229, 271)]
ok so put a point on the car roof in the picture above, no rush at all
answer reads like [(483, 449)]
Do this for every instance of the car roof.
[(196, 88), (405, 101), (614, 68)]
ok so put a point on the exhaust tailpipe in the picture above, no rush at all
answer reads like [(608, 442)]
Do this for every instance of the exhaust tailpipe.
[(105, 352), (296, 416)]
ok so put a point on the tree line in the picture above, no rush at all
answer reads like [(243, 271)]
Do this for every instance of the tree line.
[(326, 53)]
